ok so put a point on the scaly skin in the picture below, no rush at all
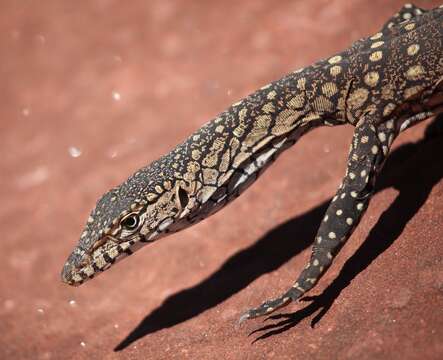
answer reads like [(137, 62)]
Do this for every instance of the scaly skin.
[(381, 85)]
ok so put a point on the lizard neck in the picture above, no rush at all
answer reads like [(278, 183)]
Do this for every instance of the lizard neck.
[(226, 155)]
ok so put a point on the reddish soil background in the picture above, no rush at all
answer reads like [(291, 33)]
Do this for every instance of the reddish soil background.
[(91, 91)]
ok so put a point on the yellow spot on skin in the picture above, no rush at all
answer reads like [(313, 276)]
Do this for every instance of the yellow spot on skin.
[(151, 196), (167, 185), (376, 56), (301, 83), (329, 89), (374, 149), (259, 130), (100, 262), (335, 59), (285, 122), (89, 270), (196, 154), (242, 114), (239, 130), (335, 70), (219, 129), (113, 252), (242, 156), (272, 94), (412, 91), (358, 98), (389, 108), (377, 44), (413, 49), (371, 78), (410, 26), (415, 72), (224, 163), (77, 278), (376, 36), (387, 92), (322, 104), (268, 108), (193, 167), (210, 176), (297, 101)]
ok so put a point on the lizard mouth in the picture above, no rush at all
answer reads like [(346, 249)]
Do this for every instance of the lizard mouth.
[(82, 266)]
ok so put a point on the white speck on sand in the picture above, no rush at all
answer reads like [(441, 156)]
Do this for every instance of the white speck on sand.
[(75, 152), (116, 96)]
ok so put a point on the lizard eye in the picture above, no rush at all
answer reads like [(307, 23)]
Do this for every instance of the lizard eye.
[(130, 222)]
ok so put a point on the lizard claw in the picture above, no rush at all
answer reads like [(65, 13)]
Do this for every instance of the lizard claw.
[(244, 317), (265, 308)]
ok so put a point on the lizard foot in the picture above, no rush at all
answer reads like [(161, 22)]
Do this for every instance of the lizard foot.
[(266, 308)]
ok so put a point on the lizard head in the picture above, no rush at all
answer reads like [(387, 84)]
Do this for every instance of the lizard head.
[(127, 217)]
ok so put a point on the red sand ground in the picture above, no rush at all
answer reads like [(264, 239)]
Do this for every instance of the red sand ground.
[(119, 84)]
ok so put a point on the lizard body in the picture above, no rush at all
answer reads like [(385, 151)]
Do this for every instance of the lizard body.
[(381, 85)]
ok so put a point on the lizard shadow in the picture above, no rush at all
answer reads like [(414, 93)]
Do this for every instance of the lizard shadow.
[(263, 257)]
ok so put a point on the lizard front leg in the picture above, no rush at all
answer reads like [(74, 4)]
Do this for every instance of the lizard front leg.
[(369, 148)]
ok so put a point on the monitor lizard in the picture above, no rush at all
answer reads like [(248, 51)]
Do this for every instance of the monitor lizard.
[(381, 85)]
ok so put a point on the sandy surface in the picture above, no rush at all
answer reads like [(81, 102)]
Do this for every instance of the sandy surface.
[(92, 92)]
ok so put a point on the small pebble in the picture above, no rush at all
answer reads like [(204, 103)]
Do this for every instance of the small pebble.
[(74, 151), (116, 96)]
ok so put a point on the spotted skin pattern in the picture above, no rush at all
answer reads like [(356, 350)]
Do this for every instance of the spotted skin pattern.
[(381, 85)]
